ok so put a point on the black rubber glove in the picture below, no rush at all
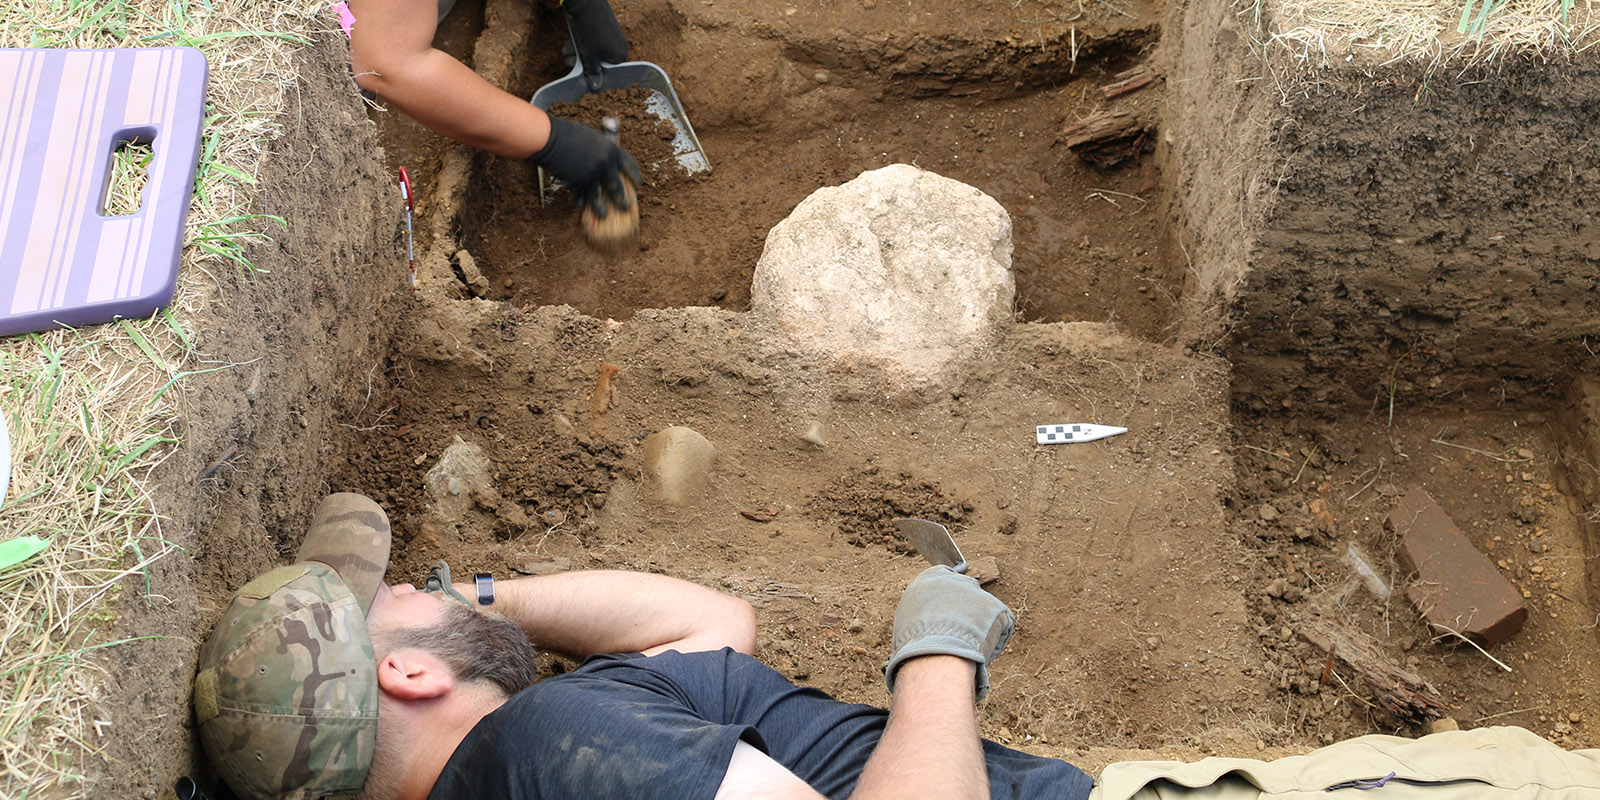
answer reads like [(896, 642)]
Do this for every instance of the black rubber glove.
[(946, 613), (596, 36), (590, 164)]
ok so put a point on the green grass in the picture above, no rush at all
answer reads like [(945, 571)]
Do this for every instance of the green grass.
[(94, 412), (82, 460), (1475, 26), (130, 164)]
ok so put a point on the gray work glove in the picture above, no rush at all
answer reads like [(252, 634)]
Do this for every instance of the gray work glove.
[(946, 613)]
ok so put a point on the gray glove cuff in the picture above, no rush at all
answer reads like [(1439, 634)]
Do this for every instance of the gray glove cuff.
[(439, 583), (946, 613), (935, 645)]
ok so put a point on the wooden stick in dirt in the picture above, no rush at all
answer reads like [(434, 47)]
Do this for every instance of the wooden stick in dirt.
[(1101, 127), (1395, 690), (1128, 81), (1107, 139)]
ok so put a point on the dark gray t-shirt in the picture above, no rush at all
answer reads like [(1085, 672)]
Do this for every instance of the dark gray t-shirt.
[(628, 726)]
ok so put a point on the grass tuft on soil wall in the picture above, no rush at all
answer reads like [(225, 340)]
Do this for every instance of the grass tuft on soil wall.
[(1438, 33)]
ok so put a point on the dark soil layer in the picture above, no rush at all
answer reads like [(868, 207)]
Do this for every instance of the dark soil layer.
[(1446, 246), (812, 113), (1369, 231)]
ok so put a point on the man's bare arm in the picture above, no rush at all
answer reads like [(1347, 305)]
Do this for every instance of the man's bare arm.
[(946, 631), (392, 53), (930, 747), (583, 613)]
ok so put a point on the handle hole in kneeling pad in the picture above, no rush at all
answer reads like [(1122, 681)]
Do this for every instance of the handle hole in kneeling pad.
[(127, 172)]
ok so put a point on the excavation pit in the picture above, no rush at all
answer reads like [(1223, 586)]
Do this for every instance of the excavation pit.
[(1288, 344), (1301, 474), (806, 113)]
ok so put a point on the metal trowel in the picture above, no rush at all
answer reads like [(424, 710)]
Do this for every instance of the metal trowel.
[(933, 542), (662, 104)]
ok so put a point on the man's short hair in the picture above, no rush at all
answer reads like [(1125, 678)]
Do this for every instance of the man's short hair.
[(286, 692), (477, 645)]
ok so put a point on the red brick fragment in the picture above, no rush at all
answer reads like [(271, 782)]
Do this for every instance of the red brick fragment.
[(1456, 587)]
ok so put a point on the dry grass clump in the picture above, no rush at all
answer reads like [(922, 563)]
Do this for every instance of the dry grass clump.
[(87, 428), (91, 412), (1431, 32)]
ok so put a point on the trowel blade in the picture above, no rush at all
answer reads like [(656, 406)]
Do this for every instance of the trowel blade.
[(933, 542)]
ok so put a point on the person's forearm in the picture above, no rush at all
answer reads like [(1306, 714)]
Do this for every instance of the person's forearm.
[(392, 53), (583, 613), (930, 747), (453, 101)]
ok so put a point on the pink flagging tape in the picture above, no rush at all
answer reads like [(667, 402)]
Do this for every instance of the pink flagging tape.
[(347, 20)]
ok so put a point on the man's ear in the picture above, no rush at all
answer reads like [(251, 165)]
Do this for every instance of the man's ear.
[(413, 674)]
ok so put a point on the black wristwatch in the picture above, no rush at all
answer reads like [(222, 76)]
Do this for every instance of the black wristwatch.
[(485, 583)]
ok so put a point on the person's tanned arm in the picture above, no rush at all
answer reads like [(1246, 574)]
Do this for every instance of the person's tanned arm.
[(946, 631), (392, 53), (583, 613), (930, 747)]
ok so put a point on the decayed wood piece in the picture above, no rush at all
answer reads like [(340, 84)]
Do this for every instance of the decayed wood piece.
[(1397, 691), (1102, 126), (1128, 81), (1107, 139)]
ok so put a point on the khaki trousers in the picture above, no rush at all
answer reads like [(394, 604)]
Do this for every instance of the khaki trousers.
[(1504, 763)]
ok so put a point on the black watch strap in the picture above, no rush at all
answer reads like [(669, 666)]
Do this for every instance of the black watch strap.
[(485, 583)]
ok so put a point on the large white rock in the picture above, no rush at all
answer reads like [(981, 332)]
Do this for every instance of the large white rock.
[(899, 266)]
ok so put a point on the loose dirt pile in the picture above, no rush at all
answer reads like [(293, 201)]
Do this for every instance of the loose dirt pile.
[(648, 137)]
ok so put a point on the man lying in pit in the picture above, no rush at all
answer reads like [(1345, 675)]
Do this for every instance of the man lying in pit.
[(320, 681)]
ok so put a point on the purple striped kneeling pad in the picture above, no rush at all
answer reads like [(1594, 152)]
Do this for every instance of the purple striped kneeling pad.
[(63, 261)]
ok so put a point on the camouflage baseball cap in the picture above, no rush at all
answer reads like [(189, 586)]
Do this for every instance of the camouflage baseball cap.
[(286, 695)]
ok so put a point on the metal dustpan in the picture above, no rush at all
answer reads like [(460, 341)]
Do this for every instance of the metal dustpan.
[(662, 104)]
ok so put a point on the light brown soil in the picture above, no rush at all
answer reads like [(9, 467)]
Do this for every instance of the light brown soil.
[(1139, 565), (1082, 535)]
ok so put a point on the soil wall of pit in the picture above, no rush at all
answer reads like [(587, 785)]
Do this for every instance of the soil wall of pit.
[(1401, 269), (1359, 229), (1580, 476), (303, 338)]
